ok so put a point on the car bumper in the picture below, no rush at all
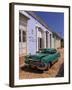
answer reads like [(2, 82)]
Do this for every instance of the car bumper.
[(36, 64)]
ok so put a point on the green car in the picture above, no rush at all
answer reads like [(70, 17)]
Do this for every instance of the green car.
[(43, 59)]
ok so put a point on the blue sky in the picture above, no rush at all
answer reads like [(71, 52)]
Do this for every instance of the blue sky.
[(55, 20)]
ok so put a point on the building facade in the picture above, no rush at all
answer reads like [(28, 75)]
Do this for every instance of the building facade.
[(34, 34)]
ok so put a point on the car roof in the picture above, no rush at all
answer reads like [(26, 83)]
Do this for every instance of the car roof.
[(49, 49)]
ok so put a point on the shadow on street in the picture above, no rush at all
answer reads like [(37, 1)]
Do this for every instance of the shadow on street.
[(61, 71), (29, 69)]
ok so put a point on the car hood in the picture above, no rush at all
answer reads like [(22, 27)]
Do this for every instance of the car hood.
[(38, 56)]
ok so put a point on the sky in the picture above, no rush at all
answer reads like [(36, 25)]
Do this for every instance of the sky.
[(54, 20)]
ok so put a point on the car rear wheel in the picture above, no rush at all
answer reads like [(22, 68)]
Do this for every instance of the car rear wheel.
[(54, 61), (48, 66)]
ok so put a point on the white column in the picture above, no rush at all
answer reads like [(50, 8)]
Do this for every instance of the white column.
[(37, 38), (44, 39), (48, 40)]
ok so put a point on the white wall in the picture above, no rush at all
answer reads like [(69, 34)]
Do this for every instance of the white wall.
[(22, 27), (53, 46), (58, 43), (32, 42)]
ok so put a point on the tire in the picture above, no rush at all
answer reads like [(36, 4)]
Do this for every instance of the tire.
[(44, 67), (49, 65), (54, 61)]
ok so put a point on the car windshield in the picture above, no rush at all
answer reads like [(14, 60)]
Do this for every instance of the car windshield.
[(47, 51)]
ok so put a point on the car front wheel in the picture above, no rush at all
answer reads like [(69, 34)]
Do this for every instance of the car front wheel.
[(42, 66)]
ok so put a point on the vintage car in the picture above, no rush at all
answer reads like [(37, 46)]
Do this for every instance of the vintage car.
[(43, 59)]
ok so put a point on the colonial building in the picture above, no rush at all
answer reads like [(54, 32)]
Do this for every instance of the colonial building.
[(35, 34)]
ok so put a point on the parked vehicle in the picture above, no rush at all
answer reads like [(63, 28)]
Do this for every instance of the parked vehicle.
[(43, 59)]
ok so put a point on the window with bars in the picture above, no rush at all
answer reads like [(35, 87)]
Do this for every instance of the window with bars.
[(24, 36), (19, 35)]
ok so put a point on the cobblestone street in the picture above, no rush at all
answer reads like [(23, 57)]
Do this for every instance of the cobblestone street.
[(56, 70)]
